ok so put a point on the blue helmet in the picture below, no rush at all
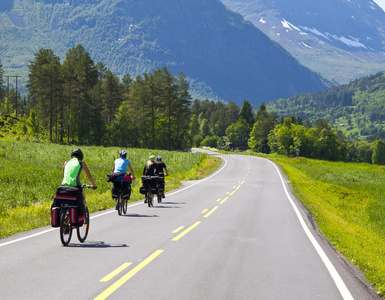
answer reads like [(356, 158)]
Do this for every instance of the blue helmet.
[(123, 153), (159, 158)]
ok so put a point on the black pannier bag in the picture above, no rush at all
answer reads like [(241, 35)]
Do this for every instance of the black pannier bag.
[(70, 195), (143, 190)]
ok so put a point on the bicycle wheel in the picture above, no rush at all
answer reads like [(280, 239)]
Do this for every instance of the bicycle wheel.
[(149, 197), (65, 227), (120, 204), (125, 206), (82, 231)]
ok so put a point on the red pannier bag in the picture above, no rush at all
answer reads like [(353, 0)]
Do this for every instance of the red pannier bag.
[(55, 216)]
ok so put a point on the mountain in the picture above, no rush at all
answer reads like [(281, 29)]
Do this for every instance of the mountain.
[(342, 40), (223, 55), (357, 108)]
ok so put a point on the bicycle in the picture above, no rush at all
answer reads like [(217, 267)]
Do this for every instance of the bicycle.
[(69, 221), (150, 182), (121, 204)]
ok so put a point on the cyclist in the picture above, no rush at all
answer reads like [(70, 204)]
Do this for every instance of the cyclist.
[(120, 167), (71, 176), (160, 165), (150, 167)]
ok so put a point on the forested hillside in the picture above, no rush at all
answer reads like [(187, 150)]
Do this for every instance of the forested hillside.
[(356, 108), (222, 55)]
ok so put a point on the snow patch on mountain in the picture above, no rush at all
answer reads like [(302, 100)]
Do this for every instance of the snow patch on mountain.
[(349, 41)]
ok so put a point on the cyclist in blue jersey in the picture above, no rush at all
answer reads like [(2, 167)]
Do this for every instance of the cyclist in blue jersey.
[(120, 167)]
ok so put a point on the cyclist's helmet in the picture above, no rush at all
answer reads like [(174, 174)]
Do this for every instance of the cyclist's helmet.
[(152, 157), (159, 158), (123, 153), (77, 153)]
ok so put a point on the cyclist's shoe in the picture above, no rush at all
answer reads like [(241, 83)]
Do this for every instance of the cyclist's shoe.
[(163, 196)]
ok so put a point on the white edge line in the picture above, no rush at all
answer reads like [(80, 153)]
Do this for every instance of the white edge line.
[(112, 211), (345, 293)]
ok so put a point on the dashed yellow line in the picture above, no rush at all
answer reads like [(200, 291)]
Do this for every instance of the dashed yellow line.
[(182, 234), (178, 229), (223, 201), (210, 212), (128, 276), (205, 210), (115, 272), (232, 193)]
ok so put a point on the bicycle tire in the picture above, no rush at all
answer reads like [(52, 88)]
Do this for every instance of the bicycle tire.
[(82, 231), (65, 227), (149, 197), (120, 206), (125, 206)]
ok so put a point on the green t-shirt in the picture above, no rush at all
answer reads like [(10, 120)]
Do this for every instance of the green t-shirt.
[(72, 172)]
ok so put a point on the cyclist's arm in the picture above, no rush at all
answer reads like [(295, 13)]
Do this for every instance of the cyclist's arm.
[(132, 171), (166, 172), (89, 176)]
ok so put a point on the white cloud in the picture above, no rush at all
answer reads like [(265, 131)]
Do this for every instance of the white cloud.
[(380, 3)]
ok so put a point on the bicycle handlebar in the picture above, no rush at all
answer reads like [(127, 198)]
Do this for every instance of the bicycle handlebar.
[(88, 186)]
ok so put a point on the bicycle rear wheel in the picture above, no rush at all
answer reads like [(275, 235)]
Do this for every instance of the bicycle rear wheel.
[(125, 206), (120, 204), (65, 227), (82, 231), (149, 197)]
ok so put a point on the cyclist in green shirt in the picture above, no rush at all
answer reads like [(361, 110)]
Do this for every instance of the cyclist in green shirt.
[(72, 169)]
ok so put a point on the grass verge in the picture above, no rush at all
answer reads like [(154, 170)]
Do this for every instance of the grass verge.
[(347, 201)]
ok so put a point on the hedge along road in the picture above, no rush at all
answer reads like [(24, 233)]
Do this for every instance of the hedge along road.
[(238, 234)]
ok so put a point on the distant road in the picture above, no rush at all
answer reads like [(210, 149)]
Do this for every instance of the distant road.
[(238, 234)]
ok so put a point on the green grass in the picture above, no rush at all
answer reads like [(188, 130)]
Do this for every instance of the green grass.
[(347, 201), (31, 172)]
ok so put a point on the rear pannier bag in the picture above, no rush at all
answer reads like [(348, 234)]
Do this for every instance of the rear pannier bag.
[(68, 195), (73, 214), (55, 216), (143, 190)]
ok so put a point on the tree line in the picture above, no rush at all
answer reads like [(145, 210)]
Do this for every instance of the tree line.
[(80, 102)]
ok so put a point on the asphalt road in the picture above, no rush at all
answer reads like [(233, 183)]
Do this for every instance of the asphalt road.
[(238, 234)]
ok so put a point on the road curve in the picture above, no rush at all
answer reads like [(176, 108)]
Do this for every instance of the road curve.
[(238, 234)]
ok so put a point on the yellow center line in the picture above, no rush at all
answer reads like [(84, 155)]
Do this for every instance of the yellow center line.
[(238, 187), (205, 210), (232, 193), (223, 201), (218, 200), (115, 272), (211, 211), (182, 234), (128, 276), (178, 229), (243, 182)]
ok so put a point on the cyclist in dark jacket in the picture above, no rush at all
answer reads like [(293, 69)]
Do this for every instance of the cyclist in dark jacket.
[(160, 166)]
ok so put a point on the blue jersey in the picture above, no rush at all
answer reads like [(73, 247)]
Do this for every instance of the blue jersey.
[(121, 165)]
